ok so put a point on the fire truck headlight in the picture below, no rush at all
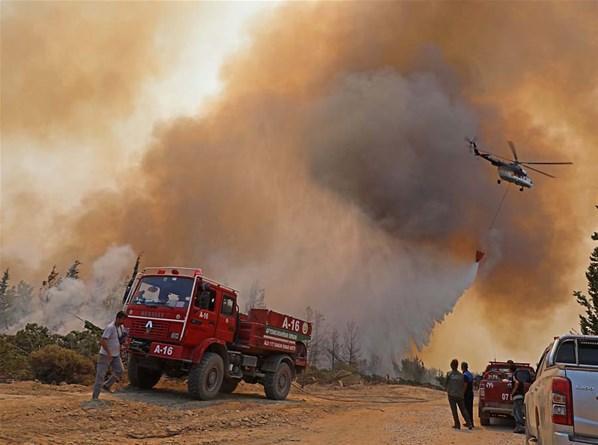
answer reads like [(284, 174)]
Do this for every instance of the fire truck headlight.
[(174, 335)]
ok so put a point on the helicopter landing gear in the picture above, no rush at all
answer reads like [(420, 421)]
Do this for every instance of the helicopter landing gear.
[(498, 181)]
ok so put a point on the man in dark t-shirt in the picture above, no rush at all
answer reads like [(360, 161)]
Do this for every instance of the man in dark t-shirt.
[(517, 394), (455, 388), (468, 398)]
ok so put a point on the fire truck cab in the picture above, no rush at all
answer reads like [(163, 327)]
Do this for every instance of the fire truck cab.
[(183, 324)]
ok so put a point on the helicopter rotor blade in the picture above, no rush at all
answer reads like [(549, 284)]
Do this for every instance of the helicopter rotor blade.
[(545, 163), (541, 172), (512, 147)]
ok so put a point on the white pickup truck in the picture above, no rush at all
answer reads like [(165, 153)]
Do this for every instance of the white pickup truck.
[(562, 404)]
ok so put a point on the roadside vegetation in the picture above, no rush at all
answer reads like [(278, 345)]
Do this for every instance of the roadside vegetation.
[(36, 353)]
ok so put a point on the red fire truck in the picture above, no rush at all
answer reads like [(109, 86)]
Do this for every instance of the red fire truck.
[(495, 389), (181, 323)]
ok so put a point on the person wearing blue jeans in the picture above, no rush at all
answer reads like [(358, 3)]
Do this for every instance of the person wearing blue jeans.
[(517, 394), (109, 356), (468, 397), (455, 388)]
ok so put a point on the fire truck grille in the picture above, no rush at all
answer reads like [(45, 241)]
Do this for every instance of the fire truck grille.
[(157, 330)]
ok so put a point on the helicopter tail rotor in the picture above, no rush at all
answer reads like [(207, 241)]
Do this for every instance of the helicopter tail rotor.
[(473, 146)]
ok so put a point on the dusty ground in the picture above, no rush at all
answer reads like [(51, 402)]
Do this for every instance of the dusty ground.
[(42, 414)]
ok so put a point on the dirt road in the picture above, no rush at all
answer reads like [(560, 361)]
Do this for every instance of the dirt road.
[(41, 414)]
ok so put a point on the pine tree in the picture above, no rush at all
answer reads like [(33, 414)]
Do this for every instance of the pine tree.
[(589, 321), (5, 300), (4, 283), (52, 281), (73, 271)]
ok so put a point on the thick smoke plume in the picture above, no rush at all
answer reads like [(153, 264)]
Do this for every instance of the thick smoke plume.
[(333, 167)]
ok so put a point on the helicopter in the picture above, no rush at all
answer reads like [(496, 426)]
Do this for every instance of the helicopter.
[(511, 170)]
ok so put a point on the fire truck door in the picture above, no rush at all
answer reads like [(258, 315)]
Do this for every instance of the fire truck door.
[(227, 322), (203, 316)]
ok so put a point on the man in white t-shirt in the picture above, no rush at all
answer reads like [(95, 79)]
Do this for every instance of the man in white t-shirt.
[(109, 357)]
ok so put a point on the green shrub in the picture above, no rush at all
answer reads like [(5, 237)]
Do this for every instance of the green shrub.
[(54, 364), (34, 337), (84, 342), (14, 362)]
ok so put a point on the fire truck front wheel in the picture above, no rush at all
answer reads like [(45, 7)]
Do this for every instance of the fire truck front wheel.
[(140, 377), (277, 384), (205, 378)]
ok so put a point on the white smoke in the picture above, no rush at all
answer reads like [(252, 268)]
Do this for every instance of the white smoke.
[(94, 299), (395, 291)]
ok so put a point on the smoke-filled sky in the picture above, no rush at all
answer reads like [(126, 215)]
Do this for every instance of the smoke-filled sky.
[(317, 148)]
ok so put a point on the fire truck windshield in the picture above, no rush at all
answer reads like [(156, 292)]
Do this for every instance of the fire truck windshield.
[(165, 291)]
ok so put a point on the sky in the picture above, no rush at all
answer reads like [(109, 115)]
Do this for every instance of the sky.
[(317, 149)]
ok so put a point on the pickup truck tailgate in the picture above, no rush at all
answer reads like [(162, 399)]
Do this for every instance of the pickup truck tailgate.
[(497, 394), (584, 386)]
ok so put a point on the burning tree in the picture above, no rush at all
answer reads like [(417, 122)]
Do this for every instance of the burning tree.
[(589, 321), (73, 271)]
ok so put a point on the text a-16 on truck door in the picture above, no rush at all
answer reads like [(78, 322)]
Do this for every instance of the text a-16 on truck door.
[(203, 316)]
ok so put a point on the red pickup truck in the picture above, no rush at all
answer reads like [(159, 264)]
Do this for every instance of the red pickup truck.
[(495, 389)]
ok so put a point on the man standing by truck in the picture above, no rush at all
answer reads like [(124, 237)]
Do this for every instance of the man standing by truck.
[(517, 394), (109, 356), (455, 388), (468, 377)]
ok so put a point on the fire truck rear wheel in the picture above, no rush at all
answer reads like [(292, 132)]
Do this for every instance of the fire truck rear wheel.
[(277, 384), (205, 378), (140, 377), (229, 385), (484, 420)]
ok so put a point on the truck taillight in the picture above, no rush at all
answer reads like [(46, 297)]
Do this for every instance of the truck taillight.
[(562, 401)]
